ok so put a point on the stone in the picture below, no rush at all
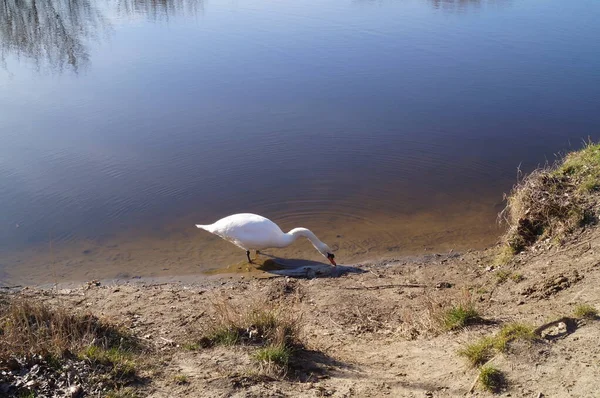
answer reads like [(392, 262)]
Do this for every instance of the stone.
[(75, 391)]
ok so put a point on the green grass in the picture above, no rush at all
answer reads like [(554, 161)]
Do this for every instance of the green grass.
[(586, 311), (479, 352), (484, 349), (491, 379), (226, 336), (126, 392), (276, 354), (459, 316), (119, 361), (511, 332), (502, 276), (181, 379), (552, 202), (517, 278), (191, 346), (583, 167)]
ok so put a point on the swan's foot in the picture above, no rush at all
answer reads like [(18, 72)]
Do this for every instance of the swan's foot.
[(248, 255)]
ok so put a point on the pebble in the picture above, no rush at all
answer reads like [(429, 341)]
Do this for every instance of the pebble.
[(75, 391)]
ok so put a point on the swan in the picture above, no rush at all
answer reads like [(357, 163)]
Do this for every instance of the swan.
[(253, 232)]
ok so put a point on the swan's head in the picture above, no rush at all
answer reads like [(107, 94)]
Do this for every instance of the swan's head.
[(328, 254)]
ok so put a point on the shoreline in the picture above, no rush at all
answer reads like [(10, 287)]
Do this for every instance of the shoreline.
[(521, 318), (363, 334)]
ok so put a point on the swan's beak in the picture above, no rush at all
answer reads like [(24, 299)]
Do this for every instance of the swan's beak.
[(331, 257)]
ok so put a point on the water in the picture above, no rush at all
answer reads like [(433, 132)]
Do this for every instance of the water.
[(387, 127)]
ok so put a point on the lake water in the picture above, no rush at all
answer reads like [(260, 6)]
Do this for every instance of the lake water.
[(387, 127)]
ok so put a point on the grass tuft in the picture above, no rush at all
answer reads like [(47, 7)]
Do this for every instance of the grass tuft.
[(484, 349), (517, 278), (277, 354), (126, 392), (502, 276), (31, 328), (511, 332), (491, 379), (191, 346), (181, 379), (225, 335), (586, 311), (117, 360), (459, 316), (273, 329), (553, 201), (479, 352)]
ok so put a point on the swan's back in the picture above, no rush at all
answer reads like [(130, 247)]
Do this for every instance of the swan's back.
[(248, 231)]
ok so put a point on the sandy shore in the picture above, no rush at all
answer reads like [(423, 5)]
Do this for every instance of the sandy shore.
[(370, 332)]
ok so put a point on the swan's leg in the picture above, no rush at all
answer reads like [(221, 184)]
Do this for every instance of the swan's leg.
[(257, 254), (248, 255)]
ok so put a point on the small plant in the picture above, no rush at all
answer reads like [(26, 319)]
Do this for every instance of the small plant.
[(261, 323), (479, 352), (271, 328), (180, 379), (552, 202), (517, 278), (225, 336), (511, 332), (483, 350), (491, 379), (191, 346), (276, 354), (586, 311), (502, 276), (119, 361), (126, 392), (459, 316)]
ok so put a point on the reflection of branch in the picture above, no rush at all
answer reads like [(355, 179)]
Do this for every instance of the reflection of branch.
[(51, 32), (54, 32), (160, 9)]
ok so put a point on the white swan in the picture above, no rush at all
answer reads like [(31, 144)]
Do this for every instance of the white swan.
[(254, 232)]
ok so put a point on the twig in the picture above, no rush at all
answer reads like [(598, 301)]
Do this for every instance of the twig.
[(384, 286), (11, 287)]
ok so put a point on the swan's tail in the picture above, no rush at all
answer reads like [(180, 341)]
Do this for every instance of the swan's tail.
[(204, 227)]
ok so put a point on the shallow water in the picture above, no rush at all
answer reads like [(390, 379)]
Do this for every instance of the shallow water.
[(386, 127)]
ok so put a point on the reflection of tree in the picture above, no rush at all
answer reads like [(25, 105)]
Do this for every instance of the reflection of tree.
[(160, 9), (463, 5), (55, 33), (49, 32)]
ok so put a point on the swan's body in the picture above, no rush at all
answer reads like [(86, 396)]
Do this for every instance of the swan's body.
[(253, 232)]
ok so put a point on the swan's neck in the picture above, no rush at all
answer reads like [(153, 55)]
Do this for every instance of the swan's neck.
[(306, 233)]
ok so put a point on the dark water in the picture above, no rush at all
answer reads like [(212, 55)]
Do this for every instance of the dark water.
[(387, 127)]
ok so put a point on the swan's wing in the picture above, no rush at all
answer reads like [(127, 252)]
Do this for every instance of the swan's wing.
[(250, 231)]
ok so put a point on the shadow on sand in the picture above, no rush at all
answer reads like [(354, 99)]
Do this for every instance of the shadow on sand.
[(299, 268)]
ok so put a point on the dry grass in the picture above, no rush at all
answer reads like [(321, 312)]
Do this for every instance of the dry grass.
[(260, 323), (451, 314), (586, 311), (30, 327), (552, 202), (275, 329), (181, 379)]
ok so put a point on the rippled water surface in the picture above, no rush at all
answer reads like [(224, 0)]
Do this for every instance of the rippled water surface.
[(387, 127)]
